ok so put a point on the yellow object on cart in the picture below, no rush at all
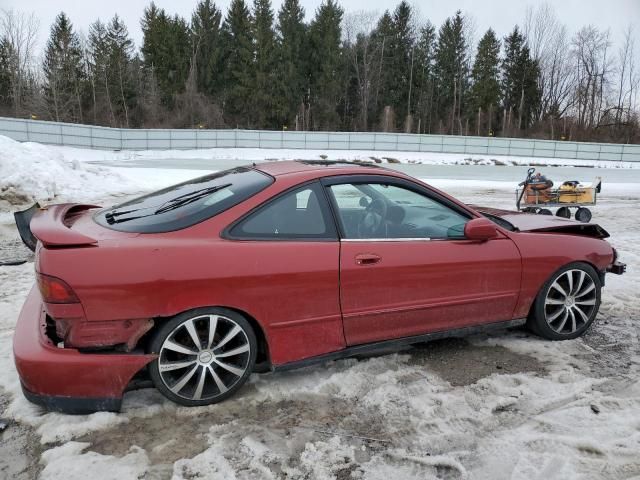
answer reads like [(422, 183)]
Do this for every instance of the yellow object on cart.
[(575, 194)]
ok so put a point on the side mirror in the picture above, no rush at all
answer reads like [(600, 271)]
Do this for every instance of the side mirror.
[(480, 229)]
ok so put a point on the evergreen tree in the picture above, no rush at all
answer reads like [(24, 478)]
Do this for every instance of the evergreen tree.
[(401, 54), (325, 53), (520, 73), (98, 71), (293, 63), (205, 40), (485, 91), (239, 65), (120, 72), (5, 76), (63, 72), (383, 38), (396, 42), (424, 77), (166, 49), (451, 73), (268, 112)]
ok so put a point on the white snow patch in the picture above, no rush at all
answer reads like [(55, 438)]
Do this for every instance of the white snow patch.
[(265, 154), (70, 463), (40, 173)]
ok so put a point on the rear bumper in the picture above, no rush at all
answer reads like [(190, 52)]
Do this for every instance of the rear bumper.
[(617, 268), (73, 405), (64, 379)]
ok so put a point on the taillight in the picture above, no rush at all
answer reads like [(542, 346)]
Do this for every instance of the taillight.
[(54, 290)]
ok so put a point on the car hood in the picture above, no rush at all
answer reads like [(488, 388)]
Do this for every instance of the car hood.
[(531, 222)]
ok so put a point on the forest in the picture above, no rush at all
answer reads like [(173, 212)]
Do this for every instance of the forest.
[(252, 67)]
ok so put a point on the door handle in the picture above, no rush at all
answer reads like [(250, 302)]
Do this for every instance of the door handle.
[(367, 259)]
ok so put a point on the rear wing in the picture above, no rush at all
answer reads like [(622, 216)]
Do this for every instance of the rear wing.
[(23, 220), (48, 226)]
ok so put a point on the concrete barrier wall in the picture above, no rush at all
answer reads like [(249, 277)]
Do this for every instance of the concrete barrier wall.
[(87, 136)]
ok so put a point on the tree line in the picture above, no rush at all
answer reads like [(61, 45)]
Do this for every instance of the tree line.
[(256, 68)]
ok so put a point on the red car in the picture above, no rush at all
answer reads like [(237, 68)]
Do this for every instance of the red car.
[(280, 265)]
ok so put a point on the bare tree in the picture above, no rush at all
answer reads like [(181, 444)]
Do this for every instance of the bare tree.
[(593, 66), (549, 44), (364, 53), (628, 78), (20, 31)]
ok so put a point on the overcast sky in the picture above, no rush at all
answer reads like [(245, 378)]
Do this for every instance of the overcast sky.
[(501, 15)]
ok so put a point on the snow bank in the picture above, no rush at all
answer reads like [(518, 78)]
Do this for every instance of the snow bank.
[(377, 156), (33, 172)]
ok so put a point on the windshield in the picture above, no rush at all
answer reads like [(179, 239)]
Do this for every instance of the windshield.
[(185, 204)]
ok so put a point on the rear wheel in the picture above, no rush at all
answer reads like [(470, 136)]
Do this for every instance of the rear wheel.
[(583, 215), (204, 356), (567, 303), (544, 211), (563, 212)]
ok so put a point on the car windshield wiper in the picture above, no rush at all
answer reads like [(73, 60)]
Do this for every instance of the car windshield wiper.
[(203, 191), (189, 197), (166, 206)]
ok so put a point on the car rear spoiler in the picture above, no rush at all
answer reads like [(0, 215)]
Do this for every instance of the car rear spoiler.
[(23, 220), (47, 225)]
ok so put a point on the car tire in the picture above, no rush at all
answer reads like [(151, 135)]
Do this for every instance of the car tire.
[(193, 374), (563, 212), (567, 303), (583, 215)]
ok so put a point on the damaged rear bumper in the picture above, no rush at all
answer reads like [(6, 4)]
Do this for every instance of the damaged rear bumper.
[(65, 379)]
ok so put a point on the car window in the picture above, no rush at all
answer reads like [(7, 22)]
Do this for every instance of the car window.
[(185, 204), (376, 210), (298, 214)]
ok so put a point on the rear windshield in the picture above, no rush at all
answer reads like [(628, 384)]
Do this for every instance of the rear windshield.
[(185, 204)]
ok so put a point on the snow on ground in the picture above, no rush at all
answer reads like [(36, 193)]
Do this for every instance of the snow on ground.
[(503, 406), (261, 154), (30, 171)]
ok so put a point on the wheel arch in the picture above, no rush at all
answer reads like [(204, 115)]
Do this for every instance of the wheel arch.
[(263, 360), (555, 272)]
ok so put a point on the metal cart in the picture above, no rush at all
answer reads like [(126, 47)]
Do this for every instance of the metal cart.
[(535, 196)]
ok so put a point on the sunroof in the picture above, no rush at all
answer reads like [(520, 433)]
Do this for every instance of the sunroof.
[(337, 163)]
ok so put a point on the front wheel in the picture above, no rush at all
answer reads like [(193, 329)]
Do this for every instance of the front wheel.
[(583, 215), (567, 304), (204, 356)]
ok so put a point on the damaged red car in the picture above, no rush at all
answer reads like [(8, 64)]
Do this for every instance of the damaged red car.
[(280, 265)]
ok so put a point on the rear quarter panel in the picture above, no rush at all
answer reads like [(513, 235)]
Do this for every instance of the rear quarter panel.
[(545, 253), (290, 288)]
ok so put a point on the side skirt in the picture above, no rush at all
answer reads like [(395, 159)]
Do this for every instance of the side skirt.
[(372, 348)]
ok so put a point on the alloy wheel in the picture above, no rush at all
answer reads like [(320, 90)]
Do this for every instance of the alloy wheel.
[(570, 302), (203, 357)]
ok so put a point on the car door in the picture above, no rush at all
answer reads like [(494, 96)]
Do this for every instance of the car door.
[(405, 266), (286, 273)]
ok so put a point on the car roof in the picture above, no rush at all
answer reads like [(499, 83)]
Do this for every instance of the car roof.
[(319, 168)]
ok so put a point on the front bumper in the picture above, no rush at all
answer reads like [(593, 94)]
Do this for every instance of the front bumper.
[(617, 268), (64, 379)]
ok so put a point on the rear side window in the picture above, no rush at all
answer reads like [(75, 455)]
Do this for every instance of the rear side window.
[(185, 204), (299, 214)]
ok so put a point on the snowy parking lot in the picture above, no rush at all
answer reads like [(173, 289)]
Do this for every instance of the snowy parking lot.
[(502, 406)]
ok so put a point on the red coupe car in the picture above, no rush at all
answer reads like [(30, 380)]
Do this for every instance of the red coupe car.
[(279, 265)]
